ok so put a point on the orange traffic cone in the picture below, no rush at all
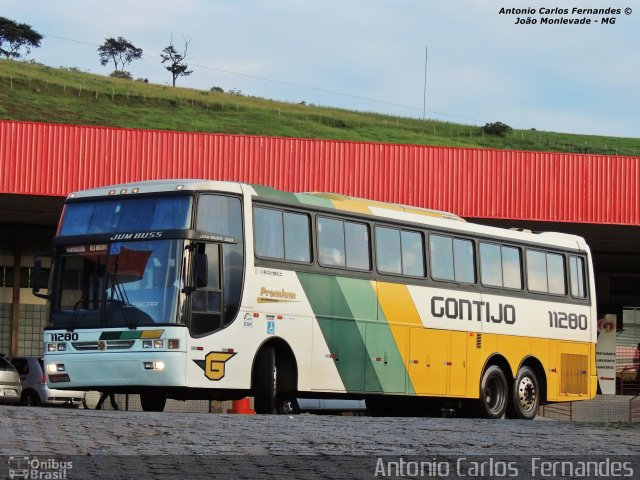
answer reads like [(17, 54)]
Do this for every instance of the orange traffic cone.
[(242, 406)]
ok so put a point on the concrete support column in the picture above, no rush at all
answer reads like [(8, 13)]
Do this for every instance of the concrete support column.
[(15, 306)]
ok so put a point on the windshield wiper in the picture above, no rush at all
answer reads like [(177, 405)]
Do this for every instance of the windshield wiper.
[(76, 313)]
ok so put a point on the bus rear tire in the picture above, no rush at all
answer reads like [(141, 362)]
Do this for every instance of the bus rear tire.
[(525, 395), (152, 402), (494, 393)]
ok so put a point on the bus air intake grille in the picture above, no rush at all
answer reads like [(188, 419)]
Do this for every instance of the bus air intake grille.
[(108, 345), (574, 379), (478, 340)]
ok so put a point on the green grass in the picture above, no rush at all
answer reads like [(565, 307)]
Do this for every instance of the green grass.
[(31, 92)]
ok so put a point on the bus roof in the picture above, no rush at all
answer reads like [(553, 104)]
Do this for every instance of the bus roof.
[(434, 218), (157, 186), (337, 201)]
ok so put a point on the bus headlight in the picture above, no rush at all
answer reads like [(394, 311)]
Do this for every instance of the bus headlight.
[(55, 367), (154, 366), (56, 347)]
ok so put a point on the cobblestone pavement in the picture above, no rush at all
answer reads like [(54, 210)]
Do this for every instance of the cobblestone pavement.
[(109, 444)]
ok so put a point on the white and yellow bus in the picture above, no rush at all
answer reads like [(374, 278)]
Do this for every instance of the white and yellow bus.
[(195, 289)]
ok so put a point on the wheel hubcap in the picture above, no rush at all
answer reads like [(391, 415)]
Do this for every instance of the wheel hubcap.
[(287, 407), (526, 394)]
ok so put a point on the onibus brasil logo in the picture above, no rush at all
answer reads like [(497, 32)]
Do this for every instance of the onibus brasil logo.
[(33, 467)]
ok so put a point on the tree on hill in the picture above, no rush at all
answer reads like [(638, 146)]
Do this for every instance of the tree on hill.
[(14, 36), (177, 61), (497, 128), (120, 51)]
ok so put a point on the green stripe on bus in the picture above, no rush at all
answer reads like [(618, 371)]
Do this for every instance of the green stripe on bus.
[(384, 368), (339, 328), (110, 335), (396, 357), (292, 198), (272, 193), (130, 334), (356, 331), (362, 302), (315, 201)]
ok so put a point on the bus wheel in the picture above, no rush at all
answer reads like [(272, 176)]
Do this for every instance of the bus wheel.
[(525, 395), (375, 407), (287, 406), (152, 402), (265, 380), (494, 393)]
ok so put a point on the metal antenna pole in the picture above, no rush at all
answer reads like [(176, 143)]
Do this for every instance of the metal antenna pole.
[(424, 94)]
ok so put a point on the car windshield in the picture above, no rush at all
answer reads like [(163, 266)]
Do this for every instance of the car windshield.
[(118, 284)]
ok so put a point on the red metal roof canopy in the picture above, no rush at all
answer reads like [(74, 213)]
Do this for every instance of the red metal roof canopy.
[(53, 160)]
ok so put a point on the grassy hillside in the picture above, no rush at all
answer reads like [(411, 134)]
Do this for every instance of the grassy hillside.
[(38, 93)]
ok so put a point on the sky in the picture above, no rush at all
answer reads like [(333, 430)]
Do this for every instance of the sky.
[(370, 55)]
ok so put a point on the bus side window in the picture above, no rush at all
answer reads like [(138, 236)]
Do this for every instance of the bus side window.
[(578, 284), (545, 272), (297, 237), (500, 266), (331, 242), (412, 254), (282, 235), (452, 259), (343, 244), (399, 251), (357, 245), (269, 240), (388, 250)]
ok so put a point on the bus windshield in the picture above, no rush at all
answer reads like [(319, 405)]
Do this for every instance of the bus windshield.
[(119, 284), (126, 215)]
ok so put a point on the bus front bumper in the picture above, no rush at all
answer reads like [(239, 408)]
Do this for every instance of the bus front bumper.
[(92, 370)]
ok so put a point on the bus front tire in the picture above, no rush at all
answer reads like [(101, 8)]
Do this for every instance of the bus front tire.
[(525, 395), (376, 407), (287, 406), (494, 393), (265, 381), (273, 385), (152, 402)]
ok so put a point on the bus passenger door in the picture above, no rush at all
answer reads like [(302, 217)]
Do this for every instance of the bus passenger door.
[(206, 302)]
